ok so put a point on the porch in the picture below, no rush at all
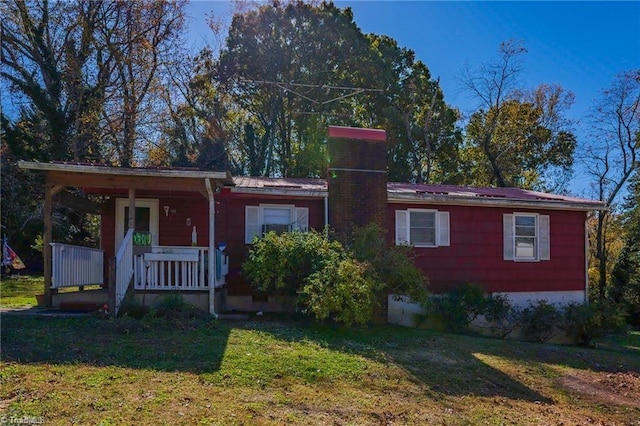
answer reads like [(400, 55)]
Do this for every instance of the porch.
[(137, 257), (159, 269)]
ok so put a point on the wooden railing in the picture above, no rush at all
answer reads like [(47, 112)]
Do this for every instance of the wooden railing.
[(177, 268), (75, 266), (123, 269)]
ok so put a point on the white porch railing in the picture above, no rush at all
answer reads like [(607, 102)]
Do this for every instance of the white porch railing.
[(178, 268), (74, 266), (124, 268)]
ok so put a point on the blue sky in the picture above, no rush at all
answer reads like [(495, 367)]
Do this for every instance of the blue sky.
[(580, 46)]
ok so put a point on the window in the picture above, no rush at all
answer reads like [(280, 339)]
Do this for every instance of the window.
[(526, 237), (422, 228), (274, 217)]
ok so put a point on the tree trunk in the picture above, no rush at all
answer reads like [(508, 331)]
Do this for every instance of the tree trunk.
[(601, 254)]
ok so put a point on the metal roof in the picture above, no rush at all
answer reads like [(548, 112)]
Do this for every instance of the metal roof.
[(103, 169), (423, 193), (399, 192)]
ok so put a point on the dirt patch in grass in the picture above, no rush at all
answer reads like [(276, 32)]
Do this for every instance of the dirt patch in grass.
[(607, 388)]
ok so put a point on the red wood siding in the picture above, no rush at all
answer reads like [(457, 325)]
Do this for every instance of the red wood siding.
[(476, 252), (173, 228), (230, 228)]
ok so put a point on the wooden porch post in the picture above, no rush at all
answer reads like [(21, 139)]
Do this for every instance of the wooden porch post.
[(49, 192), (132, 208), (212, 248)]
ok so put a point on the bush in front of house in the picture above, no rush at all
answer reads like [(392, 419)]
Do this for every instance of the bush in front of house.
[(583, 323), (540, 321), (501, 314), (343, 291), (279, 263), (391, 265), (458, 308), (328, 280)]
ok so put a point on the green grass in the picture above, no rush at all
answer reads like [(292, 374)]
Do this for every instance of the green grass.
[(628, 342), (94, 371), (20, 290)]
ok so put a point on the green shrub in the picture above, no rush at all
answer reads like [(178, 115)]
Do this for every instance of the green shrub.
[(460, 307), (391, 265), (539, 321), (174, 307), (586, 322), (328, 280), (344, 292), (280, 263), (501, 314), (130, 307)]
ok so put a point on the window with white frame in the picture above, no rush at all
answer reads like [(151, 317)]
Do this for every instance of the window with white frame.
[(422, 228), (274, 217), (526, 237)]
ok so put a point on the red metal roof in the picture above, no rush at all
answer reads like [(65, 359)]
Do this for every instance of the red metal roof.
[(311, 187), (302, 184), (466, 191), (424, 192)]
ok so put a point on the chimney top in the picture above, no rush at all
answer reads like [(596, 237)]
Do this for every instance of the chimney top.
[(357, 133)]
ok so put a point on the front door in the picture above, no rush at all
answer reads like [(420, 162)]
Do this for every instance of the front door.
[(146, 228)]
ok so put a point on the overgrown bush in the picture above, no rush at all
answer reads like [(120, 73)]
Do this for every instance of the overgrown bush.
[(539, 321), (583, 323), (345, 292), (174, 307), (391, 265), (329, 281), (503, 316), (459, 307), (280, 263)]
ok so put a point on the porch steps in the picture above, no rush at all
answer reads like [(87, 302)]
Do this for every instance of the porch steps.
[(81, 301), (234, 317)]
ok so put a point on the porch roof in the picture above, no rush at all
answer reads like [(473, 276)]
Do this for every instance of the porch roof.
[(86, 175)]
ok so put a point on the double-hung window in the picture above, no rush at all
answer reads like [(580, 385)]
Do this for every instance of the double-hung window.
[(526, 237), (422, 228), (274, 217)]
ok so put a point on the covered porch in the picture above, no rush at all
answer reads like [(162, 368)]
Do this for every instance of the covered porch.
[(134, 256)]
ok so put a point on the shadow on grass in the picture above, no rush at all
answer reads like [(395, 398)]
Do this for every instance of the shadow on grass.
[(447, 364), (459, 364), (193, 345)]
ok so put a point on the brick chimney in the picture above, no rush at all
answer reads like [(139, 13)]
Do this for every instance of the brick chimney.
[(357, 178)]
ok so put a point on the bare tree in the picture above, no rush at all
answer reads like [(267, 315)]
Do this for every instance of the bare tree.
[(49, 63), (517, 137), (613, 154), (492, 84), (142, 39)]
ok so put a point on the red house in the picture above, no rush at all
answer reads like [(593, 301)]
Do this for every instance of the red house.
[(192, 229)]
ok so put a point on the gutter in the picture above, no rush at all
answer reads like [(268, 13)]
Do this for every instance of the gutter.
[(310, 193), (326, 210), (212, 249), (495, 202)]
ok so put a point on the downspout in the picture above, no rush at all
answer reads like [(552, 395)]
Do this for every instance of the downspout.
[(586, 259), (326, 210), (212, 248)]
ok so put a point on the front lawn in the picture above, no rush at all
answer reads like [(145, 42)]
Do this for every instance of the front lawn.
[(95, 371), (20, 290)]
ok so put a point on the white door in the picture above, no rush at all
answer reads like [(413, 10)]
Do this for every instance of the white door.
[(146, 219)]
